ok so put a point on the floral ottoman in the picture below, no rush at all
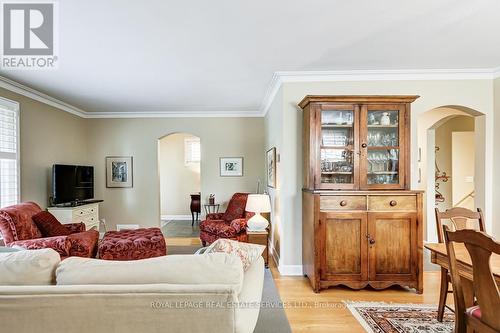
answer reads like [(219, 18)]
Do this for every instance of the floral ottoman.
[(132, 244)]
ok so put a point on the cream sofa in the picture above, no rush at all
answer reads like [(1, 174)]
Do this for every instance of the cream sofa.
[(188, 293)]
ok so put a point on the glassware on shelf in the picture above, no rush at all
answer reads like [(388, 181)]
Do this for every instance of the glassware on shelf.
[(383, 118), (337, 117), (336, 166), (383, 166)]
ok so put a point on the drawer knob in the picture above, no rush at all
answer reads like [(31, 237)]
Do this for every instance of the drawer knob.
[(393, 203), (364, 145), (343, 203), (372, 241)]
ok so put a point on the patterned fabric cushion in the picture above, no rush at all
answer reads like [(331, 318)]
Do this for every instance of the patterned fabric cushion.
[(75, 227), (209, 238), (474, 311), (84, 244), (132, 244), (247, 252), (59, 243), (236, 207), (218, 227), (16, 223), (49, 225), (214, 216)]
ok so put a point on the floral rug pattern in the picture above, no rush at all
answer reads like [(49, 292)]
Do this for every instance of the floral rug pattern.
[(400, 318)]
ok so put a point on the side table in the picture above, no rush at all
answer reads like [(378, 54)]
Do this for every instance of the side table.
[(211, 208), (261, 238)]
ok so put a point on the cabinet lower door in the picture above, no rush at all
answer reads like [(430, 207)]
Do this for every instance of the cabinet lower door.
[(392, 246), (343, 247)]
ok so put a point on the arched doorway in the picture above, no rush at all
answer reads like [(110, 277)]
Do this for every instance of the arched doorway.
[(437, 154), (179, 168)]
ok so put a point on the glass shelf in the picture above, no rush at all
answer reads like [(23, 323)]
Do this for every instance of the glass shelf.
[(337, 139)]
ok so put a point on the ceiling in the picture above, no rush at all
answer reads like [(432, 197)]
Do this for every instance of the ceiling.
[(220, 55)]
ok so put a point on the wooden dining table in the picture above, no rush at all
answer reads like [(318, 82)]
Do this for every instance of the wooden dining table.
[(439, 256)]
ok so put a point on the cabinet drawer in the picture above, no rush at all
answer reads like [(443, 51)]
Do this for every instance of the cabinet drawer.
[(84, 212), (392, 202), (342, 202)]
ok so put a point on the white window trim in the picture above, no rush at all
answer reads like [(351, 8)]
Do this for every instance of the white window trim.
[(14, 106), (187, 142)]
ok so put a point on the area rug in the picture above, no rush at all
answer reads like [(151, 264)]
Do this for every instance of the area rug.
[(400, 318), (272, 317)]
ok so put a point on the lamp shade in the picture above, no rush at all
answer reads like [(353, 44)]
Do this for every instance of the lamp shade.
[(258, 203)]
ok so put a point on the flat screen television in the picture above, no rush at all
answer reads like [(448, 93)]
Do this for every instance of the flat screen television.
[(72, 183)]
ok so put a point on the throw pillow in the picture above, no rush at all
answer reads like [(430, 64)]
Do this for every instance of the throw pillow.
[(49, 225), (247, 252), (29, 267)]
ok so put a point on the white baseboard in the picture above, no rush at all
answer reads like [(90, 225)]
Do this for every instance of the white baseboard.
[(285, 270), (127, 227), (175, 217), (290, 270)]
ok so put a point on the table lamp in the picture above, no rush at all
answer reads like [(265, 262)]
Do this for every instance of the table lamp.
[(258, 203)]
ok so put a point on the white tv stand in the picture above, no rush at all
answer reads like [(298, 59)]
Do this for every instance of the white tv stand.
[(88, 214)]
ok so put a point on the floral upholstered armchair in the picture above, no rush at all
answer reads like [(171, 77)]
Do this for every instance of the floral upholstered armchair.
[(231, 224), (18, 229)]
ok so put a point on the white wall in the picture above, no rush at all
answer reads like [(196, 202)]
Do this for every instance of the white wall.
[(48, 136), (444, 157), (274, 138), (475, 94), (178, 180), (496, 184), (462, 144), (220, 137), (427, 122)]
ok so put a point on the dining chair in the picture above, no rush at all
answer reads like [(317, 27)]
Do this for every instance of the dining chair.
[(459, 218), (483, 317)]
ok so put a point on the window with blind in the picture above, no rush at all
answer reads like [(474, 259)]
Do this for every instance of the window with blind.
[(192, 151), (9, 153)]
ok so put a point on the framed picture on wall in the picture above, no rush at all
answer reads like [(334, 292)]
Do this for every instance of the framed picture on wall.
[(119, 171), (231, 166), (271, 167)]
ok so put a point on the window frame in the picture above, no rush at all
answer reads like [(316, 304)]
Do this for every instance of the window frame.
[(187, 142), (14, 106)]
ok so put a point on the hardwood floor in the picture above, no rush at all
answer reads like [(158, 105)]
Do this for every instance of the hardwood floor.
[(325, 312), (183, 241)]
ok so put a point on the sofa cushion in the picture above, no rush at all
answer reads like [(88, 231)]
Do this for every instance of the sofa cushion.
[(49, 225), (218, 227), (217, 268), (247, 252), (31, 267), (16, 222)]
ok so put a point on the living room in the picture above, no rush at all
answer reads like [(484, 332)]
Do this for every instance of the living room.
[(321, 152)]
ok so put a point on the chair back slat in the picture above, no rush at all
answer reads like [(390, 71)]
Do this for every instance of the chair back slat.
[(480, 247), (459, 218)]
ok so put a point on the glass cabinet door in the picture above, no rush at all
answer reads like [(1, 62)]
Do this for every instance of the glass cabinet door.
[(337, 147), (381, 146)]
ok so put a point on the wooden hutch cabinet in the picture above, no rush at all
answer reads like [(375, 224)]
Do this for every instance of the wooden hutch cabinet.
[(361, 223)]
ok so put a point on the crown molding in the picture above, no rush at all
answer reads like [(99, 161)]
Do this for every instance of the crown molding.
[(26, 91), (281, 77), (274, 85), (174, 114), (496, 73)]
